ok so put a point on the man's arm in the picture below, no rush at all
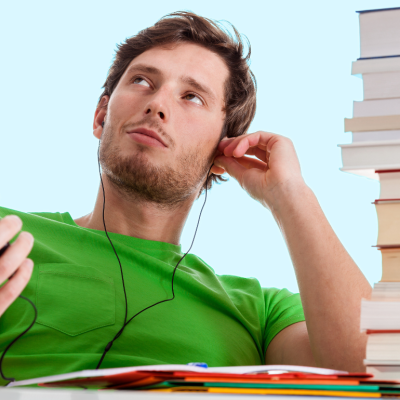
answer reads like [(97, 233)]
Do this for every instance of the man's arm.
[(291, 346), (331, 285)]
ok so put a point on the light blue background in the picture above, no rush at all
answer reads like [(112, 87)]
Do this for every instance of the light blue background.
[(54, 60)]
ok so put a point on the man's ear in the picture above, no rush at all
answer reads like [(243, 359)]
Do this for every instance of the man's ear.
[(100, 116)]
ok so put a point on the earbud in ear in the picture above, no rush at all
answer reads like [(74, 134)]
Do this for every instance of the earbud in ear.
[(102, 124)]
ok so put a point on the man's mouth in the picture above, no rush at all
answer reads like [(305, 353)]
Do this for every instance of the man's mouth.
[(146, 136)]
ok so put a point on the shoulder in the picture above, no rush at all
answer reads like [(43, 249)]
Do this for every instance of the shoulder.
[(36, 216), (280, 298)]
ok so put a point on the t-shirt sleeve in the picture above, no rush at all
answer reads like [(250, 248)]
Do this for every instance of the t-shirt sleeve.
[(282, 308)]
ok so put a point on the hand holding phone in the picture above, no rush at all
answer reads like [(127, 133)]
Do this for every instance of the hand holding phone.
[(15, 267)]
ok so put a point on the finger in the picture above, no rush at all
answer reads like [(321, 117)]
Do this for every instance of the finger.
[(259, 153), (15, 255), (232, 167), (249, 162), (224, 143), (239, 149), (239, 146), (231, 145), (13, 288), (217, 170), (9, 227)]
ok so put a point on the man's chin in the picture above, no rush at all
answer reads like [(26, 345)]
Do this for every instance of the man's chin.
[(145, 176), (142, 181)]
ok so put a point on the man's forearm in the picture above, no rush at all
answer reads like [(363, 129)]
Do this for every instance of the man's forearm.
[(331, 285)]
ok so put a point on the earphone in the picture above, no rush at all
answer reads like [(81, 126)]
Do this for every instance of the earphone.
[(126, 322), (119, 333)]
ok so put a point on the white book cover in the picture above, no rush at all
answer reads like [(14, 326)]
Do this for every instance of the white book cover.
[(388, 286), (380, 315), (385, 295), (383, 346), (390, 185), (361, 67), (375, 136), (376, 108), (381, 85), (380, 32), (383, 371), (391, 363), (370, 156)]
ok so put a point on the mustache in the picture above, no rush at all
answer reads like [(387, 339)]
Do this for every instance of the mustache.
[(153, 124)]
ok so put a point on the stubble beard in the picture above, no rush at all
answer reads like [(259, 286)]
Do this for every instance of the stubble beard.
[(137, 179)]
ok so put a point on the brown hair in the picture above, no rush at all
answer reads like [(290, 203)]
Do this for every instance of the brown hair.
[(178, 27)]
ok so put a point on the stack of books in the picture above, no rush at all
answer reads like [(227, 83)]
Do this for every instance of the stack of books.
[(375, 125), (275, 380), (375, 153)]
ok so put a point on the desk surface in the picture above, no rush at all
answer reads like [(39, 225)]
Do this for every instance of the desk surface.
[(67, 394)]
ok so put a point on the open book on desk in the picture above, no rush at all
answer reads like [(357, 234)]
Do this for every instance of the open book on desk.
[(102, 378)]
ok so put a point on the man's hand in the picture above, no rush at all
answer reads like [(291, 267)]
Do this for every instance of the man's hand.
[(14, 261), (276, 164), (330, 283)]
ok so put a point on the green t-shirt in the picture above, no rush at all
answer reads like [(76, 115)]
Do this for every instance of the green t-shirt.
[(76, 285)]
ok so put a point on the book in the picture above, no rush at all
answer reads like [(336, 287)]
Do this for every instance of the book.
[(281, 381), (389, 184), (110, 376), (376, 108), (385, 291), (374, 136), (386, 64), (383, 371), (390, 265), (380, 315), (383, 346), (371, 156), (388, 212), (251, 391), (383, 122), (381, 85), (380, 32), (375, 128)]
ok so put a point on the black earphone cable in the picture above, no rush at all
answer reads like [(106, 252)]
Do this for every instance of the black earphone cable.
[(119, 333), (14, 340), (105, 230), (126, 322)]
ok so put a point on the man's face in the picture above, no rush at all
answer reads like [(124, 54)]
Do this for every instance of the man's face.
[(178, 94)]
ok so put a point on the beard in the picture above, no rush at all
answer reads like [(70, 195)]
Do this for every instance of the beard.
[(136, 178)]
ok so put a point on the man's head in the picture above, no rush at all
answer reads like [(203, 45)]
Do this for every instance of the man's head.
[(185, 80)]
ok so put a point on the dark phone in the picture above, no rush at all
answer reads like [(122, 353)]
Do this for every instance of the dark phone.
[(3, 249)]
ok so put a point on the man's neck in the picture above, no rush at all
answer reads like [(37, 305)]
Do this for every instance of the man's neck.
[(138, 219)]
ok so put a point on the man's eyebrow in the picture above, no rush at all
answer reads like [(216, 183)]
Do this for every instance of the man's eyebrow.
[(198, 86), (144, 68)]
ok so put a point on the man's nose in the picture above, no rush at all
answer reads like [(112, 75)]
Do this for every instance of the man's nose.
[(160, 114), (158, 106)]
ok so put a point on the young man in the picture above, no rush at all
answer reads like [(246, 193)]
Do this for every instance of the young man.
[(173, 92)]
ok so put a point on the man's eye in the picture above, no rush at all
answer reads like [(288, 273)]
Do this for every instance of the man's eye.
[(193, 98), (140, 81)]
